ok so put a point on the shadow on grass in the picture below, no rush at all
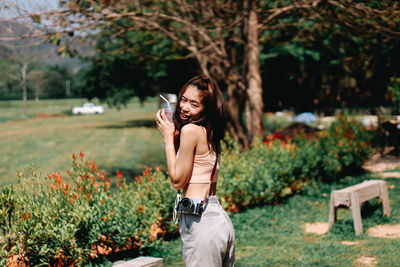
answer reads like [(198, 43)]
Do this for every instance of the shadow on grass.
[(131, 124)]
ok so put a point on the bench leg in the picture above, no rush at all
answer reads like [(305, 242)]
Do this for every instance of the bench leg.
[(332, 211), (385, 199), (356, 211)]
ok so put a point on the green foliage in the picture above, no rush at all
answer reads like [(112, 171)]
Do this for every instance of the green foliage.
[(394, 88), (136, 64), (57, 223), (274, 169), (346, 145)]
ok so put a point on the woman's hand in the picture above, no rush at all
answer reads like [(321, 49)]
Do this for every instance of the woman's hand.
[(166, 128)]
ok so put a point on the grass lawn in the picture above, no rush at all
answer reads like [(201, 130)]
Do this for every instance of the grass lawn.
[(125, 139), (275, 235)]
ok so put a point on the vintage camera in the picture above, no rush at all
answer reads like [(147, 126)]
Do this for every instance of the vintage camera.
[(188, 206)]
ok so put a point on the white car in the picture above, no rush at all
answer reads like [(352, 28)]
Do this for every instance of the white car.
[(88, 108)]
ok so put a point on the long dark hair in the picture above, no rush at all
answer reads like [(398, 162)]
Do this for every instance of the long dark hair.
[(212, 117)]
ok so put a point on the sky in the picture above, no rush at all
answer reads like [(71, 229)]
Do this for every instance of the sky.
[(7, 7)]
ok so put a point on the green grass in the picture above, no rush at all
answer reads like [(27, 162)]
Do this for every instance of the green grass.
[(275, 235), (125, 139)]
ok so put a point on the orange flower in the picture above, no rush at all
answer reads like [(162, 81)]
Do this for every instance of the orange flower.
[(73, 156), (146, 171), (81, 154), (141, 208), (74, 196), (119, 174), (102, 202), (67, 186), (105, 218)]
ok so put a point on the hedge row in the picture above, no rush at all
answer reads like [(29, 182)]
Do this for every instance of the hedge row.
[(47, 221), (280, 166)]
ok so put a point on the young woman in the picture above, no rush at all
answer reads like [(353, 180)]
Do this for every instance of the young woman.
[(192, 146)]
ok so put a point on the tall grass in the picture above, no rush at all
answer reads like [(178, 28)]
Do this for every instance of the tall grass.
[(124, 139)]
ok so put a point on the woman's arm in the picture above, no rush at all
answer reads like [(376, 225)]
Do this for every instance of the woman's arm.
[(179, 166)]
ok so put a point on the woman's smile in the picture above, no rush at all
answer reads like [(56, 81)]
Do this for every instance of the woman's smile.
[(184, 117)]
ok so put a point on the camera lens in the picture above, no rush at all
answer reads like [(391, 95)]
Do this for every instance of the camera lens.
[(186, 203)]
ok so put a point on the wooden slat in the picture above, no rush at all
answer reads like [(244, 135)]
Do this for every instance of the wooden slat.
[(141, 262)]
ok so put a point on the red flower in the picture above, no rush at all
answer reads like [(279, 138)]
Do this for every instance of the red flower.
[(278, 135), (119, 174), (141, 208), (81, 154), (146, 171)]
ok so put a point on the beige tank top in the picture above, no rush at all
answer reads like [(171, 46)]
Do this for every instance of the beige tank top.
[(203, 166)]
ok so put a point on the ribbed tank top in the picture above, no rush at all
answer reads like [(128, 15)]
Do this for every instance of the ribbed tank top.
[(203, 166)]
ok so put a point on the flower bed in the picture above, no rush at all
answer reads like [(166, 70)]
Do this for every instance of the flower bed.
[(69, 224)]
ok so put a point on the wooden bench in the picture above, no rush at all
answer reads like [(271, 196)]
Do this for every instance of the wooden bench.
[(352, 197), (140, 262)]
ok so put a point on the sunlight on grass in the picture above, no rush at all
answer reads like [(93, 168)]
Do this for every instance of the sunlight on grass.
[(125, 139), (275, 236)]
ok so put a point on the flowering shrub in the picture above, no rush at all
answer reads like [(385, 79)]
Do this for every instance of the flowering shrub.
[(62, 223), (280, 166)]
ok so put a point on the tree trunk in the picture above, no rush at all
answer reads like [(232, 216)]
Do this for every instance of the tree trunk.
[(234, 111), (23, 85), (254, 102)]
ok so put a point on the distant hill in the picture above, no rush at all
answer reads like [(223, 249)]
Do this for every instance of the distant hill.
[(45, 52)]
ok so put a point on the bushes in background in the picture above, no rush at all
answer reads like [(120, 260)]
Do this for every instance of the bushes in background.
[(48, 221), (279, 167)]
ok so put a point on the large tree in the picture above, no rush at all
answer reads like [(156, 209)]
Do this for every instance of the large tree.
[(224, 36)]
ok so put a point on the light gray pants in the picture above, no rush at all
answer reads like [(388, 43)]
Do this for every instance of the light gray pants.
[(209, 239)]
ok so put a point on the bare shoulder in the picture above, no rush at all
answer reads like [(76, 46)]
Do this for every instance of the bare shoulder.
[(191, 130)]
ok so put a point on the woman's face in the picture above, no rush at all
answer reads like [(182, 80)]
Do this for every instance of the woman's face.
[(190, 104)]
